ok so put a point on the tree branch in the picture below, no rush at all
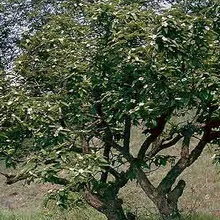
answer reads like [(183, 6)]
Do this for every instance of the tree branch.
[(215, 123), (162, 146), (214, 135), (93, 200), (177, 192), (127, 132), (145, 146), (145, 183), (109, 139), (154, 133), (115, 173), (184, 162), (107, 149), (11, 178)]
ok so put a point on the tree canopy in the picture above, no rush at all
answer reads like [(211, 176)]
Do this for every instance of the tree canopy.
[(88, 73)]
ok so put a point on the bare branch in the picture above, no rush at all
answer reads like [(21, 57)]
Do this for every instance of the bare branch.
[(145, 146), (162, 146), (215, 123), (184, 162), (107, 149), (145, 183), (11, 178), (127, 132), (177, 192), (214, 135), (154, 133)]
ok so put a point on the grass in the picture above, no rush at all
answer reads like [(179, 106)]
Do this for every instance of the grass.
[(83, 215), (202, 217)]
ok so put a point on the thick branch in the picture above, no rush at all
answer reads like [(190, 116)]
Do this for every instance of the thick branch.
[(162, 146), (184, 162), (108, 133), (111, 207), (127, 132), (214, 135), (177, 192), (145, 183), (213, 124), (11, 178), (145, 146), (154, 134), (106, 153), (94, 201)]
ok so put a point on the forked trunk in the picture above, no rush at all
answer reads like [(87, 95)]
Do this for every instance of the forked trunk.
[(165, 201)]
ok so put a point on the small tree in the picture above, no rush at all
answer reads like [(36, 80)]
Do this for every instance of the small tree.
[(92, 73)]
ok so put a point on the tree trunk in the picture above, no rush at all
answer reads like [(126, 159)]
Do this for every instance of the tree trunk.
[(168, 210), (165, 201), (112, 209)]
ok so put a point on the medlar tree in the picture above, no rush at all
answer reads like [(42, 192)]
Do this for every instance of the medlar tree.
[(91, 74)]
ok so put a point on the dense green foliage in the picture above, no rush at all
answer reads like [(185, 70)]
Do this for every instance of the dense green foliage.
[(89, 72)]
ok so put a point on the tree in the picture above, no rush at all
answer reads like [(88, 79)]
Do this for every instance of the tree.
[(94, 71), (18, 17)]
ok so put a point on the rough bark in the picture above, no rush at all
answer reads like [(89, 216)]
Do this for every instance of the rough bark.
[(165, 203), (127, 133), (154, 133), (168, 211), (168, 204), (106, 152), (112, 208)]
